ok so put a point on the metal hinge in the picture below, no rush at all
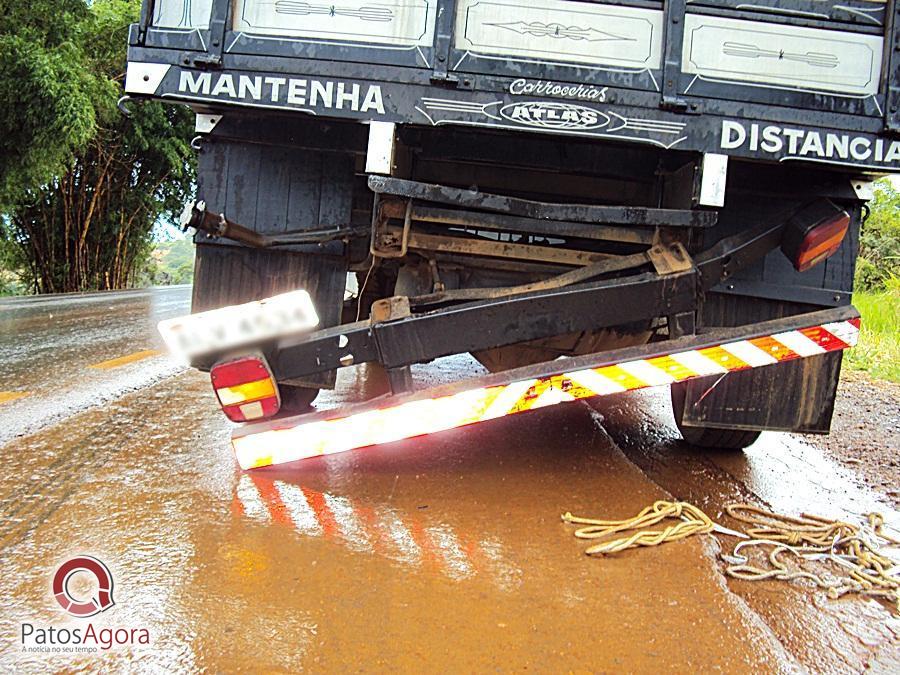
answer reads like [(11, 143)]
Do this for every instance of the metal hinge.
[(674, 39), (446, 15)]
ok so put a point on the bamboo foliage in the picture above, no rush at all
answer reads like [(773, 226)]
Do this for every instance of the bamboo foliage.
[(88, 227)]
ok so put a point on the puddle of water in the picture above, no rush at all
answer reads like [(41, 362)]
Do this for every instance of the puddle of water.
[(406, 538), (795, 477)]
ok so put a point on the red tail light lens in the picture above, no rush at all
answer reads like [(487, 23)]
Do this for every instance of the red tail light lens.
[(246, 388), (814, 234)]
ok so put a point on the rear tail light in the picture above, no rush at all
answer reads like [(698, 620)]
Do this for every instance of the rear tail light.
[(814, 234), (246, 388)]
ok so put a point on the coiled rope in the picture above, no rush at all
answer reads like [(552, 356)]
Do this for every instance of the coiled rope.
[(859, 563), (691, 521), (854, 550)]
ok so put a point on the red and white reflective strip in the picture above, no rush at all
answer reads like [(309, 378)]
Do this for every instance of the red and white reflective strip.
[(425, 416)]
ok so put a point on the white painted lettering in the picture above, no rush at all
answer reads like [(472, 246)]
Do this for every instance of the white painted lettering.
[(373, 100), (296, 92), (733, 135), (351, 97), (195, 85), (276, 83), (225, 85)]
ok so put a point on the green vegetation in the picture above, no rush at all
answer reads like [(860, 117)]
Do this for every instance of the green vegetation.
[(81, 185), (170, 263), (878, 351), (879, 241), (877, 288), (47, 90)]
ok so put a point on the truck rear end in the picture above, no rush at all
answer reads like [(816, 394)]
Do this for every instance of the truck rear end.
[(608, 182)]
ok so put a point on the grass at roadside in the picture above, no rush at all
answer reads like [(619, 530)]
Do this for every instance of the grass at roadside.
[(878, 351)]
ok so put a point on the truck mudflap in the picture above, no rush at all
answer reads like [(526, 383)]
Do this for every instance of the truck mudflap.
[(398, 417)]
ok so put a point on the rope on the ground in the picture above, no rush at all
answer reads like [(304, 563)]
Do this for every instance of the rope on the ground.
[(691, 521), (859, 565)]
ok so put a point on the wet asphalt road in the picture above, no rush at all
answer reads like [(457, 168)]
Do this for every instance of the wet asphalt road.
[(438, 553)]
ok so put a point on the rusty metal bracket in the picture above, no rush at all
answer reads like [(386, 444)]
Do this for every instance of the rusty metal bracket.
[(673, 12), (196, 215), (670, 258), (383, 236), (628, 216), (390, 309), (443, 43)]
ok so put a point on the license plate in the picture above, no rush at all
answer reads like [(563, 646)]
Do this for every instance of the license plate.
[(227, 328)]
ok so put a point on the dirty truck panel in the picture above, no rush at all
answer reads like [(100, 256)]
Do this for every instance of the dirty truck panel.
[(524, 180)]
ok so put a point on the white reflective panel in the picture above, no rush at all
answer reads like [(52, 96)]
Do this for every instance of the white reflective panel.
[(181, 13), (406, 23), (778, 55), (556, 31)]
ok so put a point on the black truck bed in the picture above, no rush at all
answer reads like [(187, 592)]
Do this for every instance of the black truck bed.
[(776, 80)]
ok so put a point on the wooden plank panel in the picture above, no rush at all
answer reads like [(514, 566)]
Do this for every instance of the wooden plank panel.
[(305, 192), (336, 190), (273, 191), (243, 183)]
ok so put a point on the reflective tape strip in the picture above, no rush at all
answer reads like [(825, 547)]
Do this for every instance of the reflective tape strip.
[(507, 398), (799, 343), (699, 363), (551, 396), (828, 341), (426, 416), (846, 331), (6, 396), (591, 379), (644, 371), (675, 370), (778, 350), (749, 353), (725, 358)]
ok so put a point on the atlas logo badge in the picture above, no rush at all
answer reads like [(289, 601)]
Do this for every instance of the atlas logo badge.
[(553, 115), (103, 599)]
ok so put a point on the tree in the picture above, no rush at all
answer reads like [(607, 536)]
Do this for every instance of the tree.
[(45, 91), (879, 241), (87, 226)]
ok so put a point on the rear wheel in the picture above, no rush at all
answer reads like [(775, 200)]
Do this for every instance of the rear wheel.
[(708, 437), (296, 399)]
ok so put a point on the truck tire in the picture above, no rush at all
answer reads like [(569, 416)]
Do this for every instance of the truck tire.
[(708, 437), (295, 399)]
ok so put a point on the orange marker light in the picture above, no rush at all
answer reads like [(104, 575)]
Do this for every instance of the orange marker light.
[(816, 233)]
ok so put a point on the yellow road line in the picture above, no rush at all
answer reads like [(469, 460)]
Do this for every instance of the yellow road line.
[(6, 396), (130, 358)]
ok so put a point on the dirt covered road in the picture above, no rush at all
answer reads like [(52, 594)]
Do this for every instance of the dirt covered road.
[(866, 432), (439, 553)]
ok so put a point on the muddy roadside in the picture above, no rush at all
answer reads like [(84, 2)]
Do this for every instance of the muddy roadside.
[(865, 432)]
